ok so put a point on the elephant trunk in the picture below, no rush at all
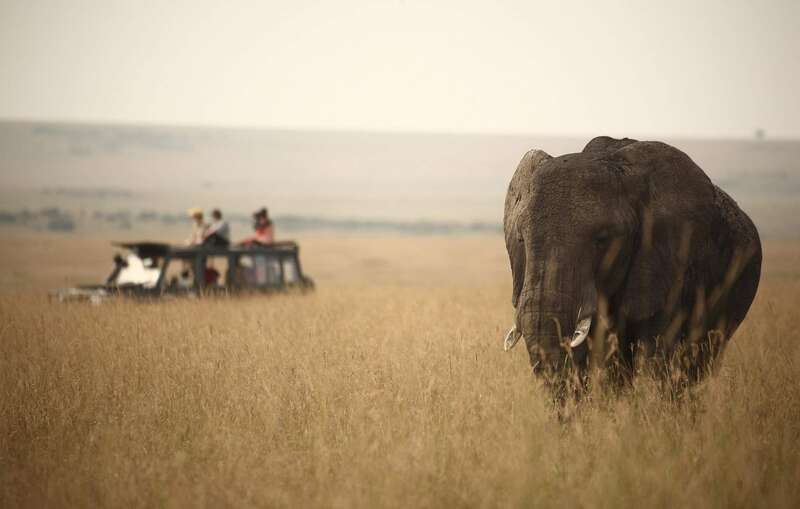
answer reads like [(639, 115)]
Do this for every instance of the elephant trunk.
[(556, 311), (547, 331)]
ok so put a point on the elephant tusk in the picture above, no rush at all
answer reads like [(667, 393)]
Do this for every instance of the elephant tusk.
[(512, 337), (581, 332)]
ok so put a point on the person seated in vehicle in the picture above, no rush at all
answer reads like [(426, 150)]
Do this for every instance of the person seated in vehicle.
[(218, 233), (244, 272), (185, 280), (199, 228), (210, 276), (264, 230), (119, 265)]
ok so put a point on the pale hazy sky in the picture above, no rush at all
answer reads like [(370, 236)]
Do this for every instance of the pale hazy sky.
[(696, 68)]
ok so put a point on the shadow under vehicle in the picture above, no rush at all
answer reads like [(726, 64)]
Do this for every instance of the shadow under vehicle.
[(150, 269)]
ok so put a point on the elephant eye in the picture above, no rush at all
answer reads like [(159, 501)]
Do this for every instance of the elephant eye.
[(602, 239)]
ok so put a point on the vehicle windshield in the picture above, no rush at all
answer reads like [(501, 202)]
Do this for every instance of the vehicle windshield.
[(140, 272)]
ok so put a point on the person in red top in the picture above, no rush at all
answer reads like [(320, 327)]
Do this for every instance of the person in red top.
[(264, 230)]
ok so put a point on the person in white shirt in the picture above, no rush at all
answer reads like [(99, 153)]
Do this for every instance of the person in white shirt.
[(218, 233)]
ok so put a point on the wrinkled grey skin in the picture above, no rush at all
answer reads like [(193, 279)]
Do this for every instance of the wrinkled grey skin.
[(635, 236)]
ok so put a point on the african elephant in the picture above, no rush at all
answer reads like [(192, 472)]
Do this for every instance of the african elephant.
[(631, 242)]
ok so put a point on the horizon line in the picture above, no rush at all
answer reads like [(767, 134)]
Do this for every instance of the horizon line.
[(378, 131)]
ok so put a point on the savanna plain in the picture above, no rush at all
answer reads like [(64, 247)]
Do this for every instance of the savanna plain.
[(387, 387)]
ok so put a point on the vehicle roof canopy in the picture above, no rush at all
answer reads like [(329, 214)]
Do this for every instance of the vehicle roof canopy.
[(145, 249), (160, 249)]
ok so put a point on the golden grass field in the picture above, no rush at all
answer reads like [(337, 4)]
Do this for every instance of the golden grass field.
[(386, 387)]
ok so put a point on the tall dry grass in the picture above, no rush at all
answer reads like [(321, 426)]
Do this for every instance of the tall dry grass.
[(389, 394)]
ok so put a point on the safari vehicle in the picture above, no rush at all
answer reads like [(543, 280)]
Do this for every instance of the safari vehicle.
[(149, 269)]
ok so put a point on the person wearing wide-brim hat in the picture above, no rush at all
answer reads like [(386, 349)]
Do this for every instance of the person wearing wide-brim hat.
[(199, 228)]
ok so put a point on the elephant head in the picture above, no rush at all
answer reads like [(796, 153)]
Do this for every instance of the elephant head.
[(628, 237)]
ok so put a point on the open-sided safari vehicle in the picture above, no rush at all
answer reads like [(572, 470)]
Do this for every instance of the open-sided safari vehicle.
[(149, 269)]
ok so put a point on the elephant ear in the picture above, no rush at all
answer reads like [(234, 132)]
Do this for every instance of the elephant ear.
[(675, 201), (515, 219)]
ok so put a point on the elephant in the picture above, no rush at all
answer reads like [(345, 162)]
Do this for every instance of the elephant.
[(630, 245)]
